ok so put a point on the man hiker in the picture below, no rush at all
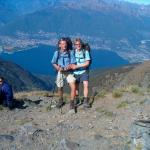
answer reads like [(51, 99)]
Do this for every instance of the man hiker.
[(62, 61), (6, 94), (81, 70)]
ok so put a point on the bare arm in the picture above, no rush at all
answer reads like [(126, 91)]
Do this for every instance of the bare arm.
[(86, 64), (57, 67)]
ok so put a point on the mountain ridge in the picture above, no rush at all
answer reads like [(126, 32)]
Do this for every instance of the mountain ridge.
[(20, 79), (137, 74)]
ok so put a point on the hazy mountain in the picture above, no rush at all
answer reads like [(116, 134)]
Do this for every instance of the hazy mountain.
[(20, 79), (10, 9), (112, 25), (28, 6)]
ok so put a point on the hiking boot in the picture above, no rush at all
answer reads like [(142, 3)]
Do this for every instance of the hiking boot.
[(77, 101), (60, 103), (86, 103), (73, 107), (72, 104)]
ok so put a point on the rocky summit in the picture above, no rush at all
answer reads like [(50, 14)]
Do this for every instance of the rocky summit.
[(35, 123)]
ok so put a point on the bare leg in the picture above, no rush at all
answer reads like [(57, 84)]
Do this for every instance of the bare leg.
[(60, 103), (60, 92), (85, 92), (73, 90), (86, 88), (77, 89)]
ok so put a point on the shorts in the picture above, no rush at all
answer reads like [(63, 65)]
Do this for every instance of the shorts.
[(61, 77), (82, 77)]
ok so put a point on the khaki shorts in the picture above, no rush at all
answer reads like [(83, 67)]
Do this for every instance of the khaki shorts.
[(61, 77)]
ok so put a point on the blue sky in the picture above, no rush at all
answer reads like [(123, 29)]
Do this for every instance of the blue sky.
[(140, 1)]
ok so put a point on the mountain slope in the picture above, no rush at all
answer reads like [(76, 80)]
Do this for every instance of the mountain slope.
[(109, 79), (140, 76), (20, 79)]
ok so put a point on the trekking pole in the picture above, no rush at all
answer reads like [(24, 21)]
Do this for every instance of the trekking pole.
[(61, 110), (53, 93)]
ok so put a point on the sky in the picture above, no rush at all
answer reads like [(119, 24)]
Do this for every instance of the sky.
[(146, 2)]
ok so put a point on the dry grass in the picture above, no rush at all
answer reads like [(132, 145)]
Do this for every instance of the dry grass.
[(21, 95), (101, 94), (23, 121), (24, 95), (104, 112), (123, 104)]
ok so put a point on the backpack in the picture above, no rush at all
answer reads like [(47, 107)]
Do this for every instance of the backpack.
[(86, 47)]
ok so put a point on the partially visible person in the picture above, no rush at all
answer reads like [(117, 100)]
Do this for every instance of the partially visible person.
[(81, 70), (62, 61), (6, 94)]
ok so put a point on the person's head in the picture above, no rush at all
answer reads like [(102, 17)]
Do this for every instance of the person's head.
[(78, 44), (1, 80), (62, 44)]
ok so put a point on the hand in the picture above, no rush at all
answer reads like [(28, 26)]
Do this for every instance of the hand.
[(68, 68), (58, 68), (61, 69), (73, 66)]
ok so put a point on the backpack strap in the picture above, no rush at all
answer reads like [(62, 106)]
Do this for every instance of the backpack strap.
[(69, 56), (58, 56), (83, 53)]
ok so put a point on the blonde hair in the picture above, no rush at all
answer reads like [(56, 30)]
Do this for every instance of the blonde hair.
[(78, 40)]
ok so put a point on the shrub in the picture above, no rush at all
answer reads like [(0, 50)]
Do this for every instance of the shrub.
[(134, 89), (123, 104), (117, 93)]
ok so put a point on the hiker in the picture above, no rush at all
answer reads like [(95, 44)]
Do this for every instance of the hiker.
[(62, 61), (81, 70), (6, 94)]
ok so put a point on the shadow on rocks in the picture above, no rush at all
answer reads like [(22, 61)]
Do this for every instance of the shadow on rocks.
[(19, 104)]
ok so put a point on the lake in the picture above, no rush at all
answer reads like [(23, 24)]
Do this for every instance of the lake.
[(38, 60)]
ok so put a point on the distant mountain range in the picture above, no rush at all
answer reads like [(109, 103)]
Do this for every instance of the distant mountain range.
[(22, 80), (112, 25)]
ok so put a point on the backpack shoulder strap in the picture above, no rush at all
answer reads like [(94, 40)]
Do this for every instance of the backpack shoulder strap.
[(84, 51), (69, 55)]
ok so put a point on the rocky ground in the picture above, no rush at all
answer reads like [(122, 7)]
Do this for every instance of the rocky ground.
[(106, 126)]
